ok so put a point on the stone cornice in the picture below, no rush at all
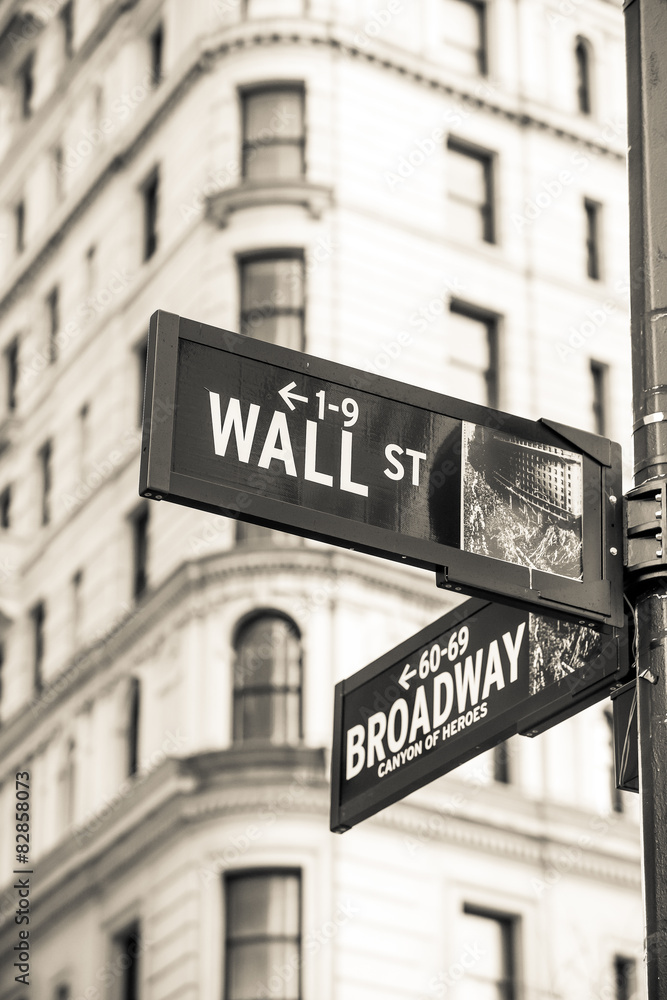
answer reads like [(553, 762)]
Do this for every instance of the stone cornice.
[(264, 786), (184, 594)]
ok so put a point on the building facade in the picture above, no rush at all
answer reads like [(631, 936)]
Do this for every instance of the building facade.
[(431, 190)]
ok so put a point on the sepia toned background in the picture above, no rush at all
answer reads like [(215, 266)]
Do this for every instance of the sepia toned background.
[(432, 190)]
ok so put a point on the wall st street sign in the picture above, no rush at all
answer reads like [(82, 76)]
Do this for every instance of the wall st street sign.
[(462, 685), (495, 504)]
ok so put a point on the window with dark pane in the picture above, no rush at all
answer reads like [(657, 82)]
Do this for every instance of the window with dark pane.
[(267, 680), (37, 623), (140, 551), (26, 86), (19, 226), (53, 320), (127, 949), (12, 373), (473, 353), (156, 52), (6, 508), (273, 133), (471, 202), (465, 35), (67, 22), (44, 460), (493, 937), (502, 772), (263, 933), (599, 389), (625, 978), (272, 299), (582, 58), (134, 710), (593, 218), (149, 193)]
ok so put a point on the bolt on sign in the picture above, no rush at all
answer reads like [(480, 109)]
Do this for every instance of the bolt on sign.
[(473, 678), (495, 504)]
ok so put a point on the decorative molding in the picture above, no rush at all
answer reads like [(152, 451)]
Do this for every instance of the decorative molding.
[(315, 198)]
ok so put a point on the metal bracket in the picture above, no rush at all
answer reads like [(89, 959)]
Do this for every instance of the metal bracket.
[(644, 554)]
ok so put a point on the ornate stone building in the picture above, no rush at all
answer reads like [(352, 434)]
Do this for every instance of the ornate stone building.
[(429, 189)]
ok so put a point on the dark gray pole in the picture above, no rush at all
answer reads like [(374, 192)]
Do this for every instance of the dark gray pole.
[(646, 54)]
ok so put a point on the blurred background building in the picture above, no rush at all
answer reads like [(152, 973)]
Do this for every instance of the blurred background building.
[(433, 190)]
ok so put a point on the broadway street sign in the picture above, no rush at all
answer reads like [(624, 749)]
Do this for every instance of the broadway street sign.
[(497, 505), (462, 685)]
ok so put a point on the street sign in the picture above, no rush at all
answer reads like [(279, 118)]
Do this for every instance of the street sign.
[(473, 678), (497, 505)]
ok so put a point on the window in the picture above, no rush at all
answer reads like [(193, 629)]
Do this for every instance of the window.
[(493, 975), (502, 772), (149, 193), (140, 551), (57, 165), (464, 24), (53, 314), (273, 133), (582, 57), (141, 351), (156, 48), (84, 435), (600, 382), (625, 978), (67, 22), (473, 353), (26, 86), (126, 946), (37, 623), (272, 299), (19, 226), (615, 794), (44, 459), (134, 707), (263, 932), (593, 216), (12, 373), (77, 604), (91, 267), (471, 210), (6, 508), (68, 786), (267, 680)]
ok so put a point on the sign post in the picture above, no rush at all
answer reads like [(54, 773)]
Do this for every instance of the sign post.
[(646, 42), (462, 685), (524, 511)]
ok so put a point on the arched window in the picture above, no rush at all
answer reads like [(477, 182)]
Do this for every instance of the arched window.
[(583, 59), (267, 680)]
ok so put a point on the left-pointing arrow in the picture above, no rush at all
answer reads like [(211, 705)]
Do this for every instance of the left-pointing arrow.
[(288, 395), (405, 676)]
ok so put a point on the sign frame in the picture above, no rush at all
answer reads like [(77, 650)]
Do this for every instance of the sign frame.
[(529, 717), (596, 599)]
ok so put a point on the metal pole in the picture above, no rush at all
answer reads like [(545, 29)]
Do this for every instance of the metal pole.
[(646, 55)]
